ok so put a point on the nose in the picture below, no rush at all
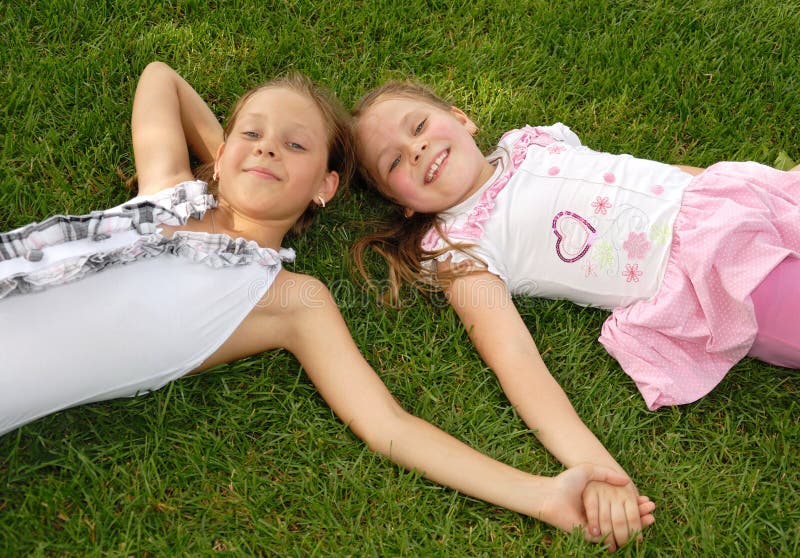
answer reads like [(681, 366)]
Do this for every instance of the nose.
[(418, 148), (265, 147)]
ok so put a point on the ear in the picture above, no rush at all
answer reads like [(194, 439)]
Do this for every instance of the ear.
[(464, 119), (330, 183), (220, 150)]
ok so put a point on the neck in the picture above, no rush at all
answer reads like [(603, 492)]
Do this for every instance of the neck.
[(486, 173), (226, 220)]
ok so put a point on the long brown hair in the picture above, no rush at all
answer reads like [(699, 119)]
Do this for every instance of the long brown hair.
[(398, 240), (340, 142)]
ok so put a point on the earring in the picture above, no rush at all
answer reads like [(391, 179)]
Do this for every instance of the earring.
[(321, 200), (216, 174)]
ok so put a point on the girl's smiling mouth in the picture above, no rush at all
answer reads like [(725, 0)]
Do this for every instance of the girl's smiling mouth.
[(436, 166), (262, 172)]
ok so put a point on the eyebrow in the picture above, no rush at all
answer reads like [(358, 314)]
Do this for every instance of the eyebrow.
[(294, 123)]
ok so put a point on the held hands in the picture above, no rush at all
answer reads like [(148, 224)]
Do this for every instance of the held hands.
[(603, 502), (615, 514)]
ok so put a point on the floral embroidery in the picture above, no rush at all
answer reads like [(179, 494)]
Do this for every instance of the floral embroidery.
[(601, 205), (603, 254), (632, 273), (556, 149), (660, 234), (589, 269), (473, 228), (636, 246)]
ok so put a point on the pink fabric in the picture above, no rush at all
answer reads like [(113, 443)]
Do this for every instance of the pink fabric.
[(738, 221), (777, 307)]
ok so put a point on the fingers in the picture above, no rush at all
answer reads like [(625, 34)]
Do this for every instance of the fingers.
[(607, 526), (646, 509), (614, 523), (603, 474), (591, 504), (619, 520), (646, 506), (614, 512), (633, 522)]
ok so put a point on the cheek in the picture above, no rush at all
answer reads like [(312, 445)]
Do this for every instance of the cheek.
[(403, 192), (315, 171)]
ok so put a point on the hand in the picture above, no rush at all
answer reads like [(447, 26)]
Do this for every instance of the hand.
[(616, 513), (564, 508)]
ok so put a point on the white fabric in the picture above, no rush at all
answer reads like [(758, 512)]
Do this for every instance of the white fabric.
[(120, 332), (572, 223)]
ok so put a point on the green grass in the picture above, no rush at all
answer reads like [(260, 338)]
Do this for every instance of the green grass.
[(247, 459)]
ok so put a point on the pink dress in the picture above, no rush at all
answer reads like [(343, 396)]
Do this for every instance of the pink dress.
[(675, 257), (737, 222)]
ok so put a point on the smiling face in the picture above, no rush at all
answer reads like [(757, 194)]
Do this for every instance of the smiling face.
[(275, 157), (420, 155)]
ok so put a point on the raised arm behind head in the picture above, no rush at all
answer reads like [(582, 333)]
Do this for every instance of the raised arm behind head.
[(169, 120)]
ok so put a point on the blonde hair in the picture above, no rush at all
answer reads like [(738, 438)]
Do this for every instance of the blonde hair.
[(398, 240), (340, 142)]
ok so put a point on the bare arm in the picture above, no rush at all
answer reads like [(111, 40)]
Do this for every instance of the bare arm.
[(317, 335), (503, 340), (169, 120), (691, 170), (482, 302)]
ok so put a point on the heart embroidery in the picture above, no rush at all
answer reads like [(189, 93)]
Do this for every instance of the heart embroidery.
[(574, 236)]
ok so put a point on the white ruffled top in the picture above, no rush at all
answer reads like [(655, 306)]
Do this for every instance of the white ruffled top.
[(66, 248)]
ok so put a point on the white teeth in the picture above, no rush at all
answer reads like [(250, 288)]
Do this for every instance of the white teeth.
[(435, 166)]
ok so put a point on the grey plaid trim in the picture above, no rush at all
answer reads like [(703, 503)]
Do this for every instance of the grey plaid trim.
[(213, 250)]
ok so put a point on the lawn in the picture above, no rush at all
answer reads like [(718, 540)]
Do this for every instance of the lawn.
[(247, 459)]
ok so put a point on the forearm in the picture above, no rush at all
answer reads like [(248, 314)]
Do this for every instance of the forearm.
[(318, 337), (555, 423), (415, 444), (203, 131), (161, 86), (503, 340)]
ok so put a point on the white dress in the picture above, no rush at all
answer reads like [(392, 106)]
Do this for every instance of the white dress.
[(103, 306)]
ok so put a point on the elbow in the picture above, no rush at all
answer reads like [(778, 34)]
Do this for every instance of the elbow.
[(382, 427), (157, 69)]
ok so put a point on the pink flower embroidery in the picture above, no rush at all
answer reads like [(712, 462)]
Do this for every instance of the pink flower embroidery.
[(589, 269), (636, 246), (601, 205), (555, 148), (632, 273)]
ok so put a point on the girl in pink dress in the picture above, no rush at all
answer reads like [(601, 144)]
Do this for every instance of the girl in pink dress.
[(700, 267)]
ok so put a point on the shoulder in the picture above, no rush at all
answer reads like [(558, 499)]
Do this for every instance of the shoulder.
[(539, 135), (302, 310), (294, 294)]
